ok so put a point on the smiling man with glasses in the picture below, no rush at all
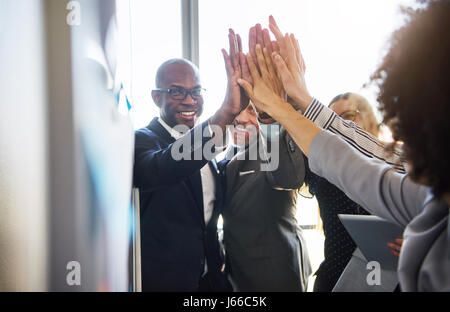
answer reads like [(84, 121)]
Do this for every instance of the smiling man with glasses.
[(180, 96), (178, 93), (181, 199)]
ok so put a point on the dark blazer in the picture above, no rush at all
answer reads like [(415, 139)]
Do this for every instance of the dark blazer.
[(174, 238), (265, 247)]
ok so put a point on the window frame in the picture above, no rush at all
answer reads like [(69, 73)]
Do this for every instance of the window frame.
[(190, 31)]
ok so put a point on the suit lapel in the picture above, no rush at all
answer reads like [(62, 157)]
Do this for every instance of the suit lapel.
[(194, 182), (239, 171), (157, 128), (232, 173)]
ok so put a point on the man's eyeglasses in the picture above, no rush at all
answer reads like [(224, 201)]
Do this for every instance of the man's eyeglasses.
[(181, 93), (349, 115)]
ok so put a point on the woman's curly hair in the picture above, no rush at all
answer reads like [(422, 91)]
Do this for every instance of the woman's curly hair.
[(415, 92)]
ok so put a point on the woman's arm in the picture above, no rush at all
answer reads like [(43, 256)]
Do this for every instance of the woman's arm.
[(291, 69), (364, 142), (372, 184)]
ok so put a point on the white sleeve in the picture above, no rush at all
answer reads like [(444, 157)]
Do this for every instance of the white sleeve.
[(361, 140)]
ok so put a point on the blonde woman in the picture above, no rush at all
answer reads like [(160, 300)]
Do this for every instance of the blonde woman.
[(354, 107), (339, 246)]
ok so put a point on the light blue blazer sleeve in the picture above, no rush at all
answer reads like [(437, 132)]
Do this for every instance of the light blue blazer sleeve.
[(371, 183)]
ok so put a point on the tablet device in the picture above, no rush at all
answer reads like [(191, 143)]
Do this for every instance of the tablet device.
[(372, 234)]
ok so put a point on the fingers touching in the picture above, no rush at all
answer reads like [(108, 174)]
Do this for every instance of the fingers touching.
[(245, 69), (261, 62), (252, 42), (234, 50), (267, 42), (259, 35), (271, 66), (227, 60), (252, 67), (239, 42), (282, 69)]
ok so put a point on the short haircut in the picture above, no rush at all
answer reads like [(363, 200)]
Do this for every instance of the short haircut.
[(160, 74)]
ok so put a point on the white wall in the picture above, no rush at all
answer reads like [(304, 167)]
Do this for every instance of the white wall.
[(66, 153), (23, 147)]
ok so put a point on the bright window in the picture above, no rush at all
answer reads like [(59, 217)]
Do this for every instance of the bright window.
[(342, 41), (150, 34)]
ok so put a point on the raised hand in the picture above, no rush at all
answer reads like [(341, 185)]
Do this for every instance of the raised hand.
[(245, 72), (263, 93), (244, 67), (235, 100), (266, 99), (258, 35), (291, 67), (261, 37), (255, 37)]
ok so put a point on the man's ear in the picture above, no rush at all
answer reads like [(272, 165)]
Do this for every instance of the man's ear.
[(157, 98)]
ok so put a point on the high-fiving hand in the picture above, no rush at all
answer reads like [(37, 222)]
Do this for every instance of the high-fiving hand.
[(261, 36), (263, 93), (235, 100), (278, 66), (290, 67)]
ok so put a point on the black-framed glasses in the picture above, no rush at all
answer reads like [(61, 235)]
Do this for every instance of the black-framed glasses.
[(181, 93)]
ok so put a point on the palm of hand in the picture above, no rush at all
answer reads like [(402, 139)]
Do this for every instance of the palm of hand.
[(238, 99)]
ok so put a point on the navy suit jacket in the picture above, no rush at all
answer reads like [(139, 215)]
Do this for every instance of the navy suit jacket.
[(174, 238)]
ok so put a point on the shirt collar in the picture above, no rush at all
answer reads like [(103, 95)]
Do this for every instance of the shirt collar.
[(175, 134)]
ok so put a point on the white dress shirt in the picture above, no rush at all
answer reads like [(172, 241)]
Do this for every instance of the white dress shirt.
[(207, 176)]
